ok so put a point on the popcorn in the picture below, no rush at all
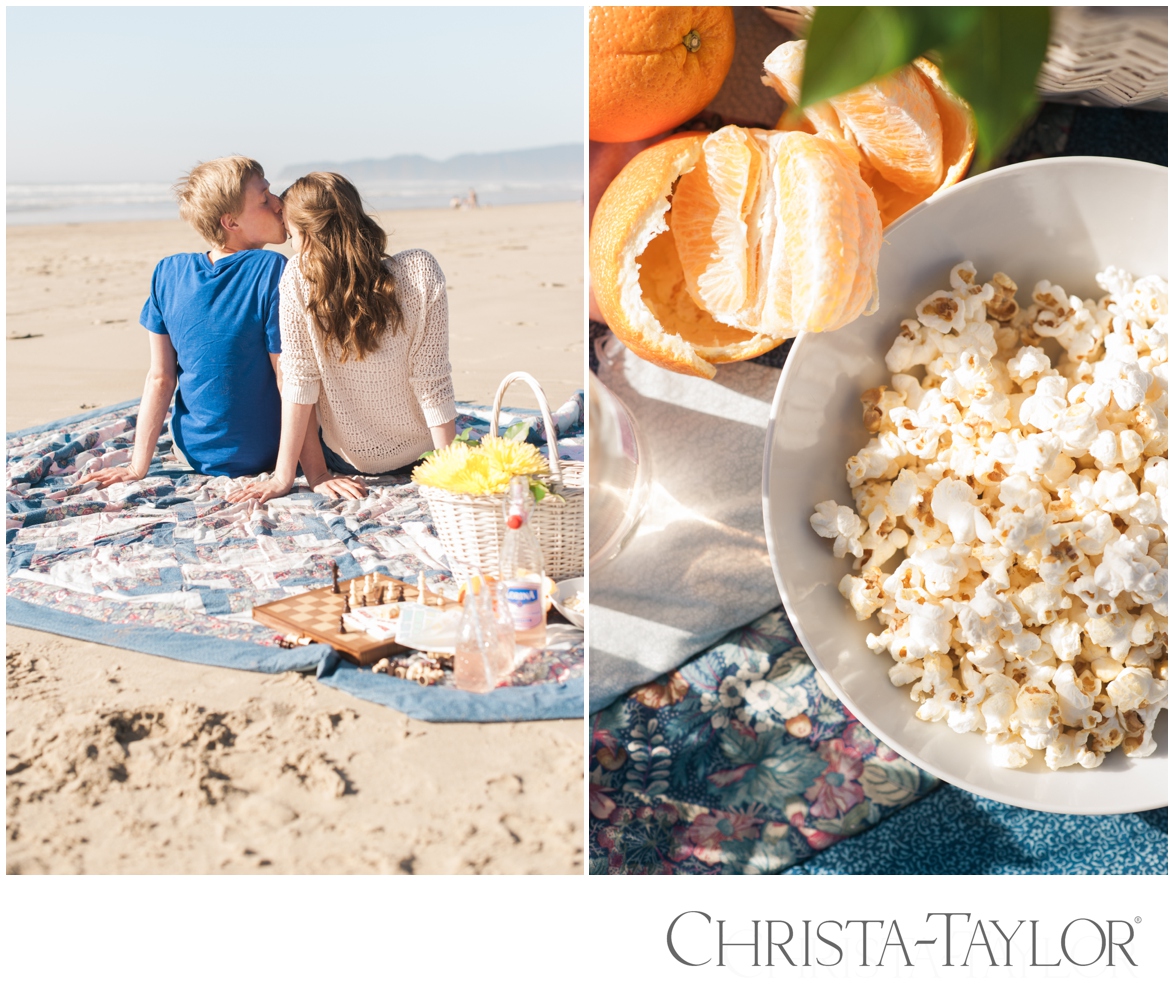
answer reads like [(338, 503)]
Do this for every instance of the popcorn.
[(832, 520), (1075, 697), (1063, 636), (1030, 361), (1037, 715), (1135, 688), (942, 311), (1018, 458), (914, 346)]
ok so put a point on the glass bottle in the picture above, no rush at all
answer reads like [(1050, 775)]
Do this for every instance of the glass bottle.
[(472, 663), (504, 620), (484, 654), (522, 567), (620, 474)]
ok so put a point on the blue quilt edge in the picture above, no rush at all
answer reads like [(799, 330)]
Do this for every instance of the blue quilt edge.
[(530, 703)]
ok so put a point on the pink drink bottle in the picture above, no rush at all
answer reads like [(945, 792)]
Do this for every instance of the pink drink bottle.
[(485, 647), (522, 568)]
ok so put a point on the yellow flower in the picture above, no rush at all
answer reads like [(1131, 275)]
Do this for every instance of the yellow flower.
[(479, 470), (509, 458)]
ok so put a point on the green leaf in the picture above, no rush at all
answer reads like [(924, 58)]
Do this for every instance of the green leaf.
[(782, 768), (849, 46), (466, 438), (538, 491), (517, 431), (994, 68), (851, 823), (890, 784)]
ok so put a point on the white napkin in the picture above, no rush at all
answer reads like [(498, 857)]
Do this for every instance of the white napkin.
[(698, 565)]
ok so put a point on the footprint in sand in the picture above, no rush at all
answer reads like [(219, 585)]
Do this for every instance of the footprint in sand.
[(30, 672)]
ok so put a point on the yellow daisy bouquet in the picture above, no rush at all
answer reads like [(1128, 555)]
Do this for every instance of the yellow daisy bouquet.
[(483, 468)]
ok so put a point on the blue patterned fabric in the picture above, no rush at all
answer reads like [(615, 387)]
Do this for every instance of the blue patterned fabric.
[(166, 565), (953, 832), (743, 761)]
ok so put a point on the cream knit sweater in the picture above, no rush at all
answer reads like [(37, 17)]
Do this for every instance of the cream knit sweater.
[(376, 412)]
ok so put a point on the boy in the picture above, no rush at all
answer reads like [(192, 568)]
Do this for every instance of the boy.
[(214, 330)]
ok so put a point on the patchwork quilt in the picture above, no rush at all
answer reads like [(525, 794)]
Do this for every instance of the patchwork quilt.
[(168, 566)]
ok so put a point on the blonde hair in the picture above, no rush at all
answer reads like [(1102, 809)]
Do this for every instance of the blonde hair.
[(352, 291), (213, 189)]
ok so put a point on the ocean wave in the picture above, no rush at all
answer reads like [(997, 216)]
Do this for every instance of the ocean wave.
[(39, 197), (122, 201)]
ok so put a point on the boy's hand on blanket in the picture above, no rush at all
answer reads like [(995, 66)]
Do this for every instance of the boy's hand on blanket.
[(340, 487), (260, 490), (108, 477)]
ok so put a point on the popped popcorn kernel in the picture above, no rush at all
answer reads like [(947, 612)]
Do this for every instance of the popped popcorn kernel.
[(1011, 515)]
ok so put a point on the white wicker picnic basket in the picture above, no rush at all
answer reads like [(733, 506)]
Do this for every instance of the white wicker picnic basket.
[(472, 528)]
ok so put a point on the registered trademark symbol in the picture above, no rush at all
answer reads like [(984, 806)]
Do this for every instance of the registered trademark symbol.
[(1137, 919)]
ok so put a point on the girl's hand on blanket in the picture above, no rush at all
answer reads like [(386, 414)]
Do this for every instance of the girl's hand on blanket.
[(108, 477), (262, 491), (341, 487)]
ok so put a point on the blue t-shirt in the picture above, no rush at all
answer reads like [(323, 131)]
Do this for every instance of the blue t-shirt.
[(223, 321)]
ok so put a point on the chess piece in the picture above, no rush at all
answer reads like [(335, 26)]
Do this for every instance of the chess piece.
[(334, 577), (354, 593), (346, 605), (341, 623)]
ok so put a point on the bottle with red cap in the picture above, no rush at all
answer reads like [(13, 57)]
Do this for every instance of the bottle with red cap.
[(521, 567)]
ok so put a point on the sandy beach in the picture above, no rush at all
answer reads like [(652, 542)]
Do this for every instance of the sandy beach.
[(123, 762)]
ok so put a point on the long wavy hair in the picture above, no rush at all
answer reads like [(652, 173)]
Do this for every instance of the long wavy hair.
[(352, 292)]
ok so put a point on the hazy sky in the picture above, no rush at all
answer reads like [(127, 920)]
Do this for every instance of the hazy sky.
[(142, 93)]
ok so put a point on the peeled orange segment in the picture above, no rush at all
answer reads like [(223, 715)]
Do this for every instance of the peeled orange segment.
[(830, 230), (959, 131), (896, 125), (714, 227), (893, 120), (784, 74), (773, 230), (911, 135), (636, 275)]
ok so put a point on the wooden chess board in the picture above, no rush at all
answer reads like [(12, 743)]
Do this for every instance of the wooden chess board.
[(316, 614)]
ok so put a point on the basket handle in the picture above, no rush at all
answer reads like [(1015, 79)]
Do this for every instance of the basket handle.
[(544, 406)]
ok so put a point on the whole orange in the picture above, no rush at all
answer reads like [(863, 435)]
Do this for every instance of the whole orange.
[(655, 67)]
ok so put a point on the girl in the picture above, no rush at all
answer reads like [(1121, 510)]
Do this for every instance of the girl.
[(364, 341)]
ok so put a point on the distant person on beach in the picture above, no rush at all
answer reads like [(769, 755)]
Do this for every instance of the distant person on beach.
[(215, 330), (471, 199), (366, 381)]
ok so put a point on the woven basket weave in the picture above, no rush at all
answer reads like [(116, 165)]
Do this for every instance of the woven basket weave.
[(472, 528), (1097, 56)]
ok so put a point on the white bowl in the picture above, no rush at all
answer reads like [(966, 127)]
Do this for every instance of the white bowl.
[(565, 590), (1063, 219)]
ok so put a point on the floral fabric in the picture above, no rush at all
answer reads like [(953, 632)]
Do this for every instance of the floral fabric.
[(740, 761), (168, 552)]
